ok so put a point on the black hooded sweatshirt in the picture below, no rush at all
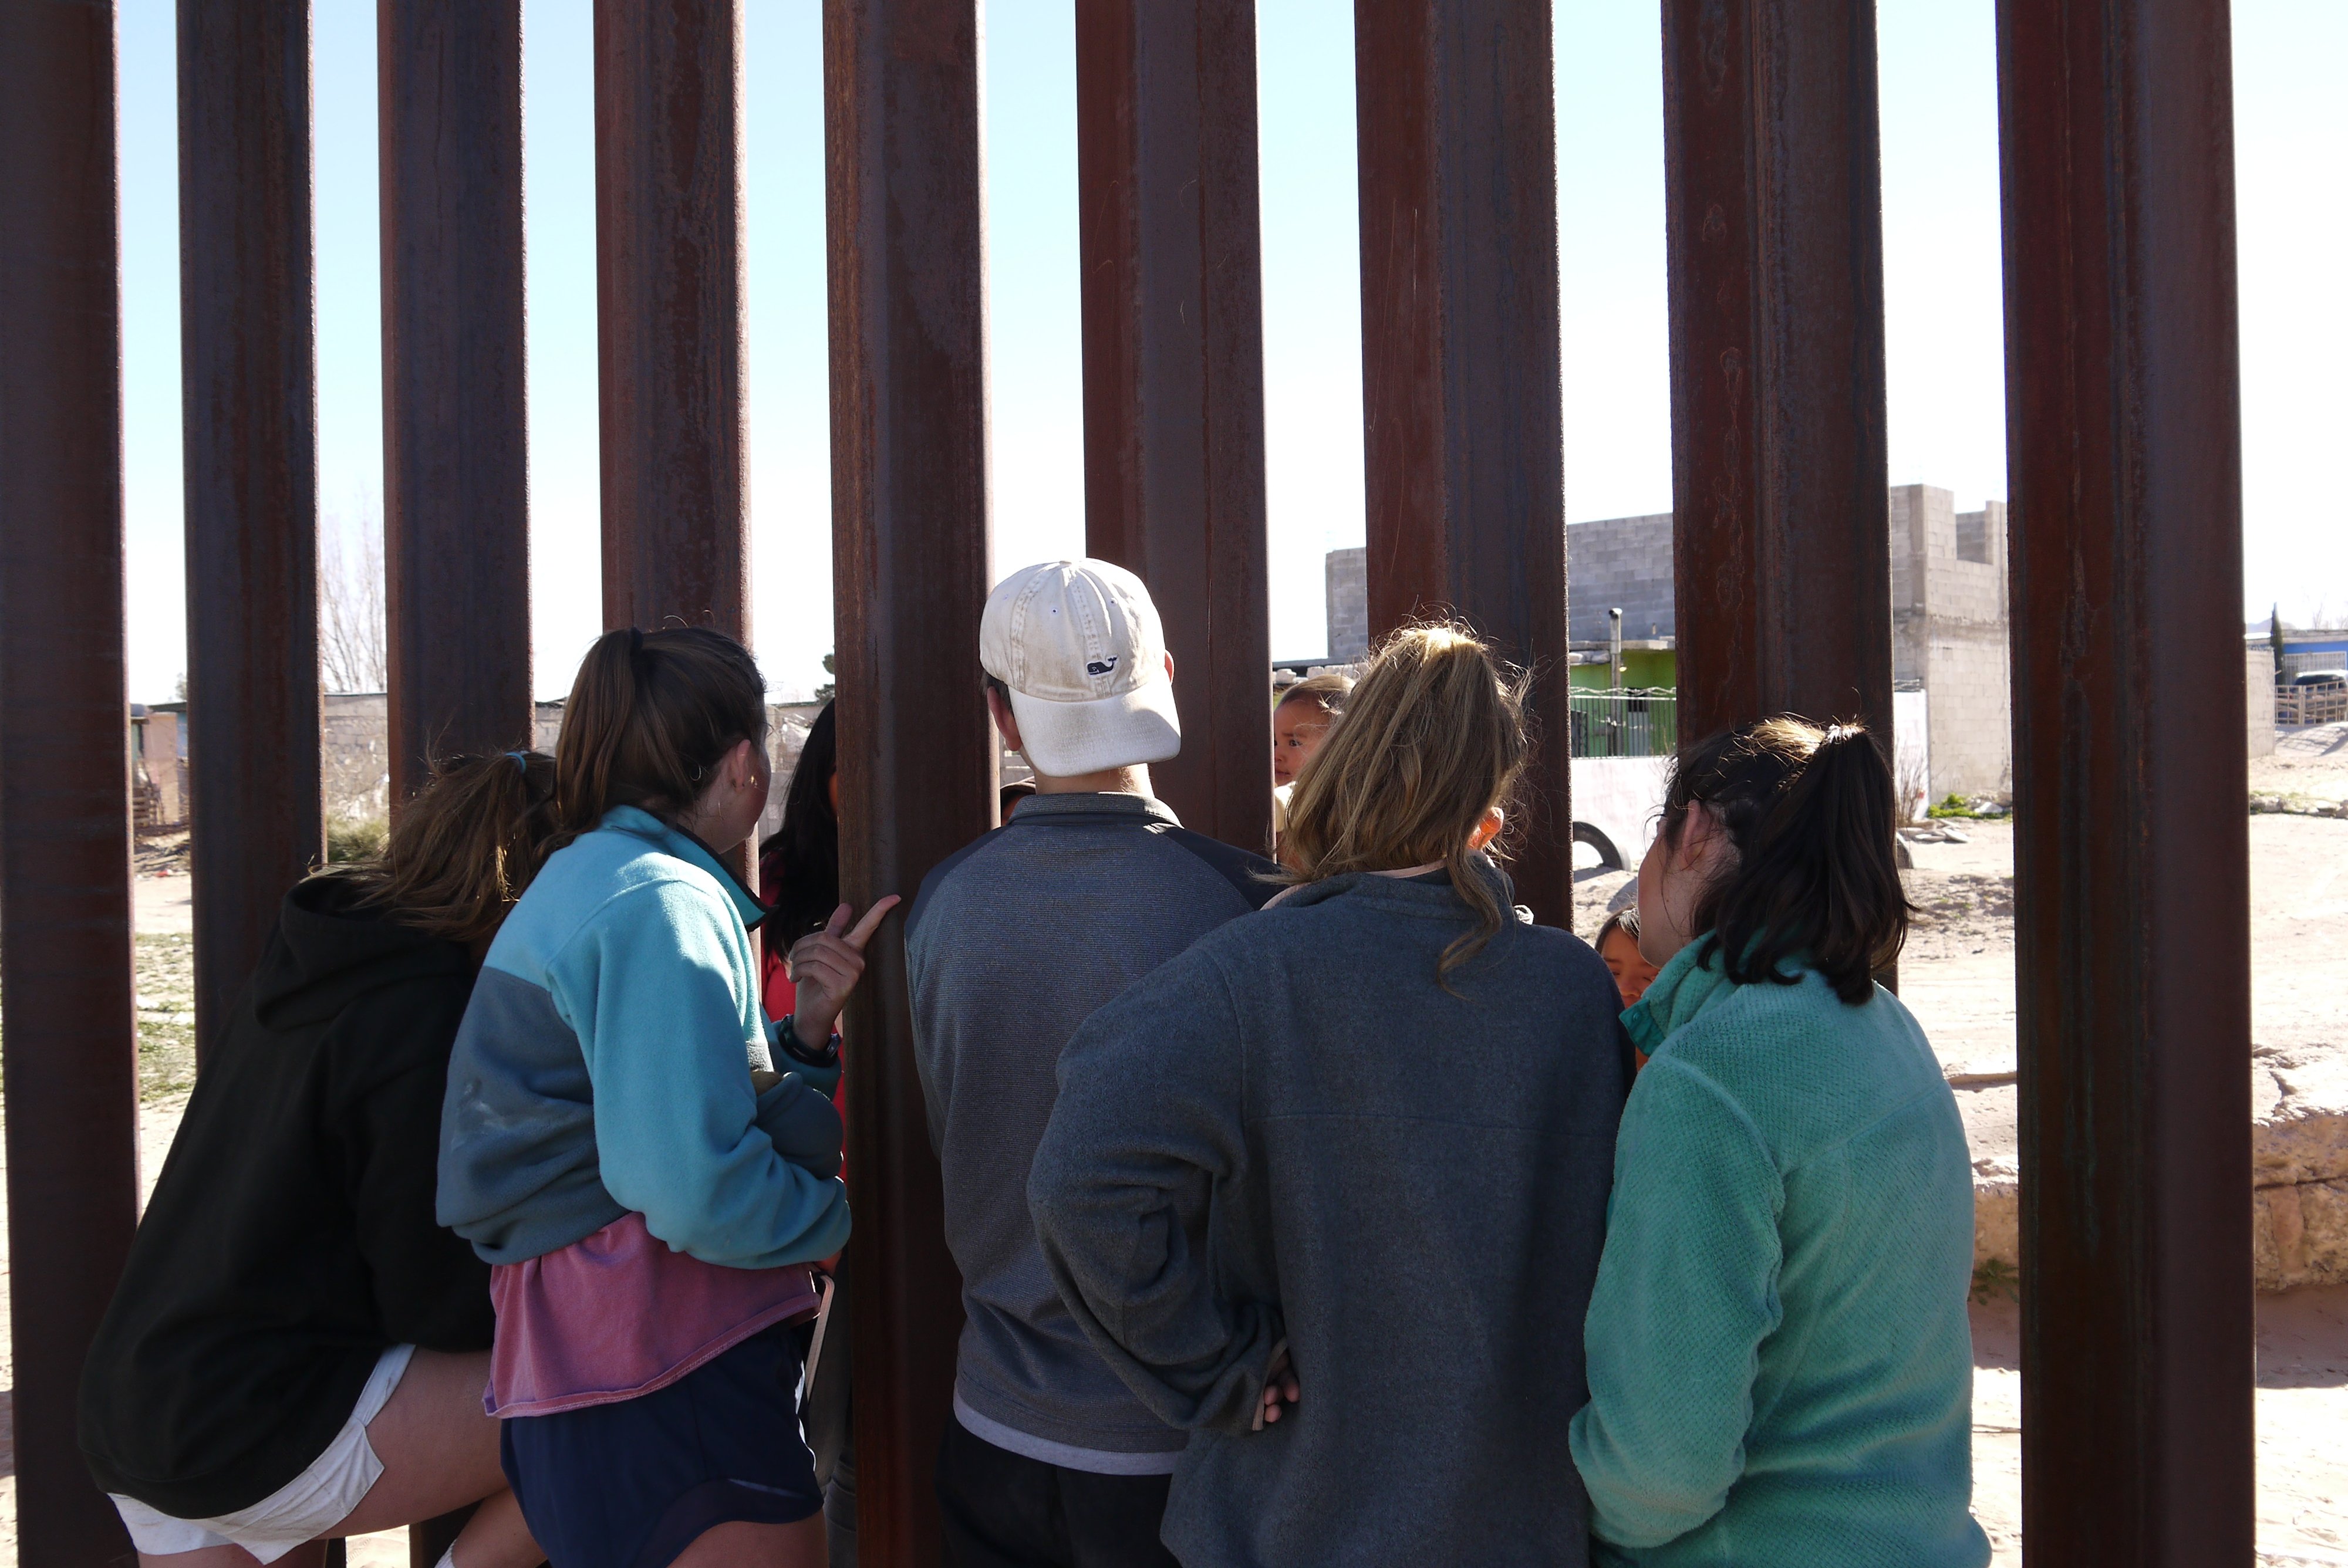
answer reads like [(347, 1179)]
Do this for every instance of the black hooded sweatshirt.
[(290, 1240)]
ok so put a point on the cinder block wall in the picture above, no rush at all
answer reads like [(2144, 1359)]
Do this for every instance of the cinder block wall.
[(1949, 634), (1623, 562), (1620, 563), (355, 751), (2259, 686), (1347, 596)]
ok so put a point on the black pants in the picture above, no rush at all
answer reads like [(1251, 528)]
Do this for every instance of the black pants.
[(840, 1510), (1004, 1510)]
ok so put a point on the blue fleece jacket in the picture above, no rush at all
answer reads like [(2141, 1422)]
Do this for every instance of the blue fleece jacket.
[(1780, 1362), (603, 1067)]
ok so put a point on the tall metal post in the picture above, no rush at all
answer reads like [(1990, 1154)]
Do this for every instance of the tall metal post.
[(65, 759), (2131, 853), (1173, 328), (668, 271), (1462, 422), (249, 403), (917, 753), (455, 429), (1774, 224)]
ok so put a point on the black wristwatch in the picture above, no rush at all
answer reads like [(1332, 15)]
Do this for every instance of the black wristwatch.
[(787, 1037)]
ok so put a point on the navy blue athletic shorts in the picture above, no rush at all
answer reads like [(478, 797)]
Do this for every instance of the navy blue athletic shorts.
[(633, 1484)]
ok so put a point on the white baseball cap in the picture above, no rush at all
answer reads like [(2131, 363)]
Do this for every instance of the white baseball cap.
[(1081, 648)]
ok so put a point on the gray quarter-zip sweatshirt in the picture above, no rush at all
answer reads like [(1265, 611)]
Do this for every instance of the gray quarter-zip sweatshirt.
[(1292, 1134), (1010, 945)]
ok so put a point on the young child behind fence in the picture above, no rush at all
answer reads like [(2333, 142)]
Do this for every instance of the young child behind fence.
[(648, 1213), (1618, 944)]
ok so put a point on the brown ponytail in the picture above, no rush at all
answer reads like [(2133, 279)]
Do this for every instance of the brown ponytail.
[(461, 852), (650, 716), (1811, 813)]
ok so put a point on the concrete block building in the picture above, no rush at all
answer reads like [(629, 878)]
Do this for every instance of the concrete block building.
[(1949, 635), (1346, 574), (1948, 621), (1620, 563)]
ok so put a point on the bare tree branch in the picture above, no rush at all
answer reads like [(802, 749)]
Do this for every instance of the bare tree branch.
[(353, 655)]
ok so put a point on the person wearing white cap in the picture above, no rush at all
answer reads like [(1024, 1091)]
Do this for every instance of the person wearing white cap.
[(1051, 1460), (1076, 652)]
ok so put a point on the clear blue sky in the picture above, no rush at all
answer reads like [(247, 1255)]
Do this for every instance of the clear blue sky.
[(1941, 217)]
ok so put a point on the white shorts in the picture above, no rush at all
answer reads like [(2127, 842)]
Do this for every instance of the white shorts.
[(303, 1509)]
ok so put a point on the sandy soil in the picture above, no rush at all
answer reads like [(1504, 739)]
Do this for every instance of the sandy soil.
[(1957, 974), (2308, 764), (2302, 1415), (161, 903)]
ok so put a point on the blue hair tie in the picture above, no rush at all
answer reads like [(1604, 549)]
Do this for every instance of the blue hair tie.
[(521, 761)]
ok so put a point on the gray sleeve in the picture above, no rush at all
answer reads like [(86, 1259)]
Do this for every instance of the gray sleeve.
[(800, 1120), (918, 998), (1148, 1124)]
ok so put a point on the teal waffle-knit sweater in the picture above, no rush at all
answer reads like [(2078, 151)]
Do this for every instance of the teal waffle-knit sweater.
[(1780, 1359)]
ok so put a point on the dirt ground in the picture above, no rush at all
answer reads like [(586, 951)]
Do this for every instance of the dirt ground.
[(1957, 974), (2308, 764), (2302, 1416)]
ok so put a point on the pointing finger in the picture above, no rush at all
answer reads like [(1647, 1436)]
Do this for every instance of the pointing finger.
[(871, 921), (838, 921)]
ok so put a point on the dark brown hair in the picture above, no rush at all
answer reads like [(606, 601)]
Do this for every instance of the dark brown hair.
[(651, 714), (1625, 920), (461, 852), (1811, 813), (1431, 738), (798, 867)]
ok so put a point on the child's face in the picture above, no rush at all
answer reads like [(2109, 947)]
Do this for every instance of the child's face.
[(1298, 728), (1631, 973)]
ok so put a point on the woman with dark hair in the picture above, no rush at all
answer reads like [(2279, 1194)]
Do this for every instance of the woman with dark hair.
[(1780, 1361), (798, 881), (296, 1351), (799, 866), (618, 1145)]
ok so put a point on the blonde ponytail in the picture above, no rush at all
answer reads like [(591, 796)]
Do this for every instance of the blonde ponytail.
[(1432, 737)]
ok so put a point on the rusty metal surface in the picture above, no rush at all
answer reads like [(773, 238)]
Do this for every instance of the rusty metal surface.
[(64, 762), (455, 431), (668, 275), (250, 454), (2131, 844), (1462, 422), (1173, 334), (917, 758), (1775, 233)]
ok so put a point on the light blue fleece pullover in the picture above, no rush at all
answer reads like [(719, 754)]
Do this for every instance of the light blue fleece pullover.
[(1780, 1360), (603, 1067)]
